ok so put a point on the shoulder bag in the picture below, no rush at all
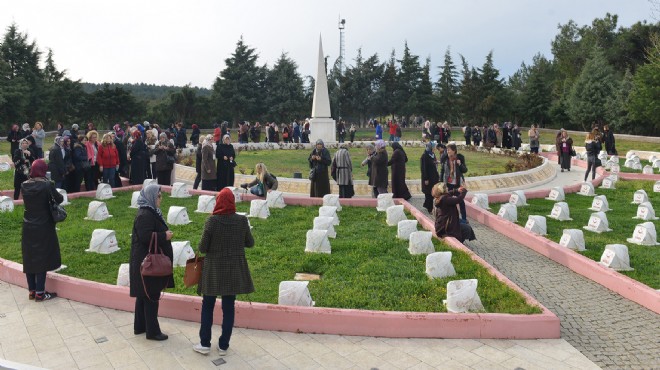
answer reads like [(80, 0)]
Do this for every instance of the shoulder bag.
[(193, 271), (156, 263), (57, 211)]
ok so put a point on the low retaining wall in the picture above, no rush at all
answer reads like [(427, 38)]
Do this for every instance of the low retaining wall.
[(610, 279), (316, 319)]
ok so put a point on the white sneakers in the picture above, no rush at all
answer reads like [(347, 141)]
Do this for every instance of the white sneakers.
[(199, 348)]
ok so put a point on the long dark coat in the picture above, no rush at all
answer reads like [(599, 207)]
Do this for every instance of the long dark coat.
[(429, 172), (40, 246), (146, 222), (121, 151), (20, 164), (398, 163), (447, 216), (139, 162), (56, 163), (320, 185), (379, 170), (225, 168), (161, 155), (226, 270)]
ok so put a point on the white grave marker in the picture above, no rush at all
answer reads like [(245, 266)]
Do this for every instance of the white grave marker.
[(438, 265), (97, 211), (275, 199), (123, 276), (395, 214), (518, 198), (462, 296), (616, 257), (636, 166), (630, 154), (572, 239), (294, 293), (537, 225), (556, 194), (237, 193), (652, 158), (134, 199), (182, 252), (64, 195), (148, 182), (640, 197), (421, 242), (405, 228), (645, 212), (103, 192), (560, 212), (180, 190), (508, 212), (317, 242), (644, 234), (103, 242), (602, 156), (587, 189), (384, 201), (648, 170), (598, 223), (205, 204), (656, 163), (656, 187), (259, 208), (329, 211), (480, 200), (615, 168), (325, 223), (600, 204), (4, 166), (332, 200), (608, 183), (6, 204), (178, 216)]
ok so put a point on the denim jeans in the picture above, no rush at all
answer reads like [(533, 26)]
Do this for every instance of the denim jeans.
[(208, 304), (109, 176)]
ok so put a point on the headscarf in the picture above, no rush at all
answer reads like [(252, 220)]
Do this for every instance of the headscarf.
[(141, 129), (148, 197), (14, 127), (226, 137), (429, 149), (26, 126), (319, 141), (136, 134), (208, 140), (225, 203), (397, 146), (380, 144), (58, 141), (66, 142), (38, 169)]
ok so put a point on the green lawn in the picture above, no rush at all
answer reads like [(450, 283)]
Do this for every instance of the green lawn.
[(283, 163), (368, 268), (7, 180), (644, 259)]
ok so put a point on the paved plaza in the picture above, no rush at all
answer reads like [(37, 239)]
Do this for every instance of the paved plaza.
[(599, 329)]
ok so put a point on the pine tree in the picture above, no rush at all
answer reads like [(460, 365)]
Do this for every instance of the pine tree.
[(285, 98), (409, 78), (387, 91), (492, 102), (538, 91), (643, 101), (428, 105), (469, 92), (447, 90)]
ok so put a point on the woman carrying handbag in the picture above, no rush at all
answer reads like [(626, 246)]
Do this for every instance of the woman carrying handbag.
[(149, 232)]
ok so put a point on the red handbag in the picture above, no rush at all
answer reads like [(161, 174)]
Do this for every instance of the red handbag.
[(155, 264)]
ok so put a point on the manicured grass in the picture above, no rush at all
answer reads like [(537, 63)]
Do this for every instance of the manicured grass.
[(283, 163), (7, 180), (644, 259), (644, 162), (623, 145), (368, 268)]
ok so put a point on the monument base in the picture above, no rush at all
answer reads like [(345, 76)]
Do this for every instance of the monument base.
[(324, 129)]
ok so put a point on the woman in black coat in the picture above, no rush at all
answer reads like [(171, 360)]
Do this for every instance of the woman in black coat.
[(446, 214), (22, 159), (40, 246), (81, 164), (379, 171), (398, 163), (14, 137), (225, 155), (430, 175), (319, 160), (138, 159), (147, 289), (164, 149), (198, 165)]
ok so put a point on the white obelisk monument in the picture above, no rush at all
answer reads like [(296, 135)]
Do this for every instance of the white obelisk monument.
[(322, 126)]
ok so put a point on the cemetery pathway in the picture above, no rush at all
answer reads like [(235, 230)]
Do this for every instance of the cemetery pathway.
[(611, 331)]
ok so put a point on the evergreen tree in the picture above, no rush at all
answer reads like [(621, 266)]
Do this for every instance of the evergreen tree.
[(447, 90), (643, 100), (427, 102), (408, 80), (617, 112), (469, 97), (285, 98), (538, 91), (592, 91), (236, 91), (492, 102), (387, 96)]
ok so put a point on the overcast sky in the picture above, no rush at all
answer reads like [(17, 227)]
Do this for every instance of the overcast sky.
[(179, 42)]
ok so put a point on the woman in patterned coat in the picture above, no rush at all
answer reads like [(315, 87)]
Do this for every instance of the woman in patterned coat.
[(226, 272), (343, 172)]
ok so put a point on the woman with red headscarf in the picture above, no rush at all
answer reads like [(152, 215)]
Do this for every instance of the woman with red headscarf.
[(226, 272), (40, 246)]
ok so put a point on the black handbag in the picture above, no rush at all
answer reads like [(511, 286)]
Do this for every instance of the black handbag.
[(57, 211), (312, 173), (171, 159)]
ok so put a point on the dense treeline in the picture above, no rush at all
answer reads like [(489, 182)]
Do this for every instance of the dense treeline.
[(598, 73)]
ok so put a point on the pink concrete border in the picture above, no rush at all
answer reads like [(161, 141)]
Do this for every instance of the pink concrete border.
[(316, 319), (610, 279)]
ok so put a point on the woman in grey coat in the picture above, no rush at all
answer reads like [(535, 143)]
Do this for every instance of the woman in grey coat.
[(208, 168), (226, 272), (342, 170)]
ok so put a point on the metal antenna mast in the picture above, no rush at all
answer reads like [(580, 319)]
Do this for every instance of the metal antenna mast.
[(342, 46)]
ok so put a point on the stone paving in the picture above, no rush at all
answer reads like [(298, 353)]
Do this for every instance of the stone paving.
[(611, 331), (63, 334)]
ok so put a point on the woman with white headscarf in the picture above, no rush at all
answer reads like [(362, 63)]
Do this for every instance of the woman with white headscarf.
[(319, 161), (147, 289), (165, 155), (207, 168), (225, 154)]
